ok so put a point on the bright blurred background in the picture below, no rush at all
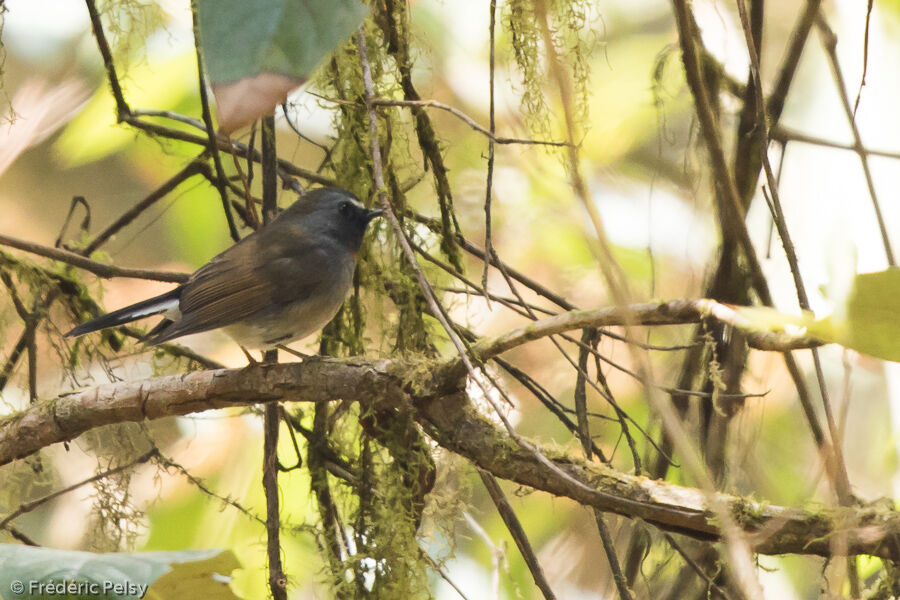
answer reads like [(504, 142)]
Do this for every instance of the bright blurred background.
[(646, 174)]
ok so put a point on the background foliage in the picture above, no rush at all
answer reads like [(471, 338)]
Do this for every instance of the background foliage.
[(641, 153)]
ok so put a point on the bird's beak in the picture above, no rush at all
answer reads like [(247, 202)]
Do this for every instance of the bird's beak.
[(373, 213)]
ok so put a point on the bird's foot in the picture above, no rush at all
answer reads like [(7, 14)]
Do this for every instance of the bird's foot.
[(293, 352), (250, 360)]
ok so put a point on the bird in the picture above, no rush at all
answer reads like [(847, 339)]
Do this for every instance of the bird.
[(279, 284)]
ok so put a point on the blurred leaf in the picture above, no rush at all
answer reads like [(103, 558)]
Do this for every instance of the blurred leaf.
[(623, 98), (241, 103), (868, 322), (763, 318), (169, 575), (197, 577), (196, 224), (273, 45), (93, 134)]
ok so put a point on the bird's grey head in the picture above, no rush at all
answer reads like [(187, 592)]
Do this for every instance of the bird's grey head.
[(334, 212)]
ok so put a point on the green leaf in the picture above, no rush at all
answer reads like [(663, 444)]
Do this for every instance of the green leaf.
[(26, 572), (289, 37), (869, 322)]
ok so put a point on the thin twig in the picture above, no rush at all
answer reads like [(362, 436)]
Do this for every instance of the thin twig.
[(444, 576), (468, 121), (498, 552), (505, 300), (784, 134), (696, 567), (829, 42), (122, 109), (516, 531), (865, 69), (318, 452), (272, 410), (19, 535), (300, 134), (85, 223), (212, 145), (478, 253), (192, 168), (286, 170), (584, 433), (547, 399), (30, 321), (453, 111), (97, 268), (489, 185), (172, 116), (31, 505), (201, 485)]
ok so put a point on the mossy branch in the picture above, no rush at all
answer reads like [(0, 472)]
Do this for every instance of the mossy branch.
[(444, 411)]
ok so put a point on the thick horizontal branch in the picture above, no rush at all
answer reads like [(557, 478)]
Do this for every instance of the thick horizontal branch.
[(65, 418), (446, 414)]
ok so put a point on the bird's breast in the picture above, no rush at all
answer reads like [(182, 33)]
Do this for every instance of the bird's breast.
[(297, 319)]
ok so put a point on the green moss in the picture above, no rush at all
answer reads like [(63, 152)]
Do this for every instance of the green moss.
[(572, 37), (748, 514)]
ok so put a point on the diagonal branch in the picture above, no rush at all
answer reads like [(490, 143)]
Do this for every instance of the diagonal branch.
[(829, 41), (92, 266), (517, 532)]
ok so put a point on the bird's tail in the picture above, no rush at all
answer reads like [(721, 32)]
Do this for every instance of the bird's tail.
[(153, 306)]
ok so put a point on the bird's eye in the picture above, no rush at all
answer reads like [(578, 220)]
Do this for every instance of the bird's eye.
[(345, 209)]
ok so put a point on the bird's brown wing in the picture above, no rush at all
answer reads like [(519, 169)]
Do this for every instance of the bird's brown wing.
[(245, 280)]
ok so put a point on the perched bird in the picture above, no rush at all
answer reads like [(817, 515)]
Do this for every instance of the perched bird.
[(278, 284)]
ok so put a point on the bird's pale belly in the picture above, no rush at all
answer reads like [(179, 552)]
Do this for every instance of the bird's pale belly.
[(294, 321)]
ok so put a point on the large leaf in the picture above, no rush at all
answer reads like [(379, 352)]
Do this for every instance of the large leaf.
[(28, 572), (870, 318), (867, 320), (256, 52)]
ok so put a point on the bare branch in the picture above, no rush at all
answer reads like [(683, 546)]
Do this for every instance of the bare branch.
[(96, 24), (783, 134), (31, 505), (829, 42), (92, 266), (193, 168), (674, 312), (467, 120), (516, 531)]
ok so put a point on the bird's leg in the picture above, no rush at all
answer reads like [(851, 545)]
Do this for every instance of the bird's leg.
[(299, 355), (249, 356)]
